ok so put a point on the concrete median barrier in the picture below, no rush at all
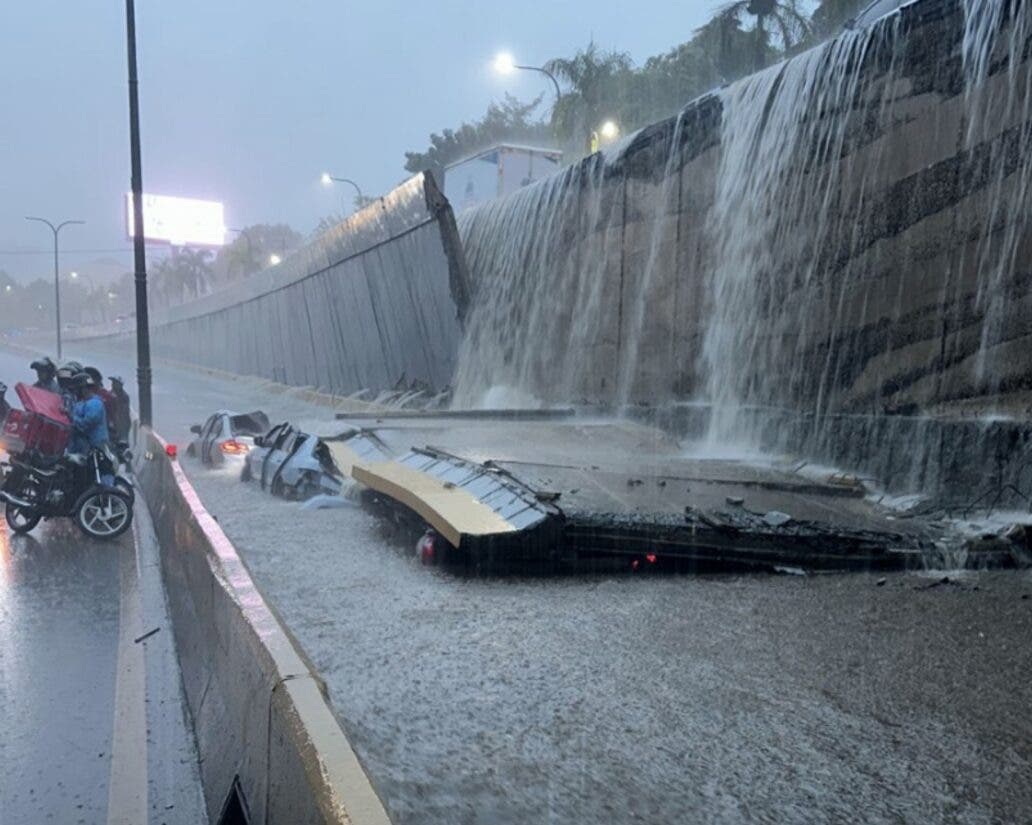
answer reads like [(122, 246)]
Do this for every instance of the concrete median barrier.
[(266, 736)]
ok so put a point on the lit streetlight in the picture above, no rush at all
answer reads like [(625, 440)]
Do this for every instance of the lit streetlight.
[(57, 279), (328, 180), (274, 259), (76, 277), (609, 130), (505, 63)]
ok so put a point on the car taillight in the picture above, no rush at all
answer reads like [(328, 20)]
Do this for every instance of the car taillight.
[(233, 447)]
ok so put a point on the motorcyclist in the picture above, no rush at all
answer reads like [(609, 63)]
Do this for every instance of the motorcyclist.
[(46, 374), (89, 420), (65, 376), (121, 421), (105, 396)]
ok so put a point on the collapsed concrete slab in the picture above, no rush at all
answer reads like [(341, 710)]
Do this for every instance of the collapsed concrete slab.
[(547, 495)]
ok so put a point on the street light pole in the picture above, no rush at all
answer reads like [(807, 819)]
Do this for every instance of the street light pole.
[(548, 74), (57, 276), (328, 179), (504, 64), (143, 359)]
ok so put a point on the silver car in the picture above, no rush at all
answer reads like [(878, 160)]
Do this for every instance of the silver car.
[(292, 464), (226, 436)]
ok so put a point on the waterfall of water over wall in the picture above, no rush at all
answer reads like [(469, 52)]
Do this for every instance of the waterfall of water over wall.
[(997, 81), (812, 251)]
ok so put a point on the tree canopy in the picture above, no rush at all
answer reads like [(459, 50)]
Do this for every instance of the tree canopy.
[(599, 85)]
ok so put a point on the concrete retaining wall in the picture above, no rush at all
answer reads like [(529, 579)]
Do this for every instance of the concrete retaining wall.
[(373, 303), (846, 234), (259, 709), (868, 284)]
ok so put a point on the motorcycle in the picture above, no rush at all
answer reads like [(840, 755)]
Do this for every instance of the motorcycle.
[(70, 486), (42, 480)]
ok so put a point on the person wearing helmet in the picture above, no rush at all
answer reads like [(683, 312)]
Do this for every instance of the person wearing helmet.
[(106, 397), (46, 374), (89, 420), (121, 420), (65, 376)]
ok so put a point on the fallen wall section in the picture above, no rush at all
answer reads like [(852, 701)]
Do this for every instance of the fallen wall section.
[(260, 711)]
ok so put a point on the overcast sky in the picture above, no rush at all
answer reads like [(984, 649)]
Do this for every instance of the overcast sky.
[(247, 101)]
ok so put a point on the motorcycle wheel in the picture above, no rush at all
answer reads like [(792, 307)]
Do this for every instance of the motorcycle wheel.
[(21, 520), (103, 512)]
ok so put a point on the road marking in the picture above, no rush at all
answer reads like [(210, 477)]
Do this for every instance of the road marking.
[(127, 787)]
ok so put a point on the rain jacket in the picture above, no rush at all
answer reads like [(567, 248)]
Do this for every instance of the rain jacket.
[(89, 423)]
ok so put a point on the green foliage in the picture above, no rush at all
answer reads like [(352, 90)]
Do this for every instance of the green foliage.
[(830, 15), (249, 251), (509, 120), (742, 36)]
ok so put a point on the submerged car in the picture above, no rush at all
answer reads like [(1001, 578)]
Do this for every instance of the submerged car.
[(226, 436), (292, 464)]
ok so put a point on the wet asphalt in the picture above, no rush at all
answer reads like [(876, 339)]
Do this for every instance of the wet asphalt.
[(59, 607), (59, 633)]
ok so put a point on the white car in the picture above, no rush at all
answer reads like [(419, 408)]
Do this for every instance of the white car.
[(226, 436)]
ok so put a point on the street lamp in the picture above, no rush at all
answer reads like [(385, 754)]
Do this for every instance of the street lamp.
[(274, 259), (328, 180), (609, 130), (504, 63), (57, 280), (143, 356)]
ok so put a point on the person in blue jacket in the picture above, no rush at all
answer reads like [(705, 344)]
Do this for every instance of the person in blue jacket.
[(89, 419)]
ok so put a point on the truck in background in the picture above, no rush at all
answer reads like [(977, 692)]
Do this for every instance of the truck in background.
[(496, 171)]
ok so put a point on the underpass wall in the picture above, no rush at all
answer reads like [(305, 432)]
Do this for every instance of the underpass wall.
[(839, 239), (375, 302)]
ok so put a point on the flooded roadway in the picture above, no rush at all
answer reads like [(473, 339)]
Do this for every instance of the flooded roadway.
[(653, 699), (640, 699)]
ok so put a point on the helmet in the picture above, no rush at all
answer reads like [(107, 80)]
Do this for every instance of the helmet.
[(67, 370), (94, 373), (81, 380), (43, 365)]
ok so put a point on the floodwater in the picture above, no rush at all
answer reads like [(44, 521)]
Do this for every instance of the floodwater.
[(646, 699), (652, 699)]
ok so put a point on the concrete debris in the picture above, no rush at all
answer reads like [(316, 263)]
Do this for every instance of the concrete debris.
[(775, 518)]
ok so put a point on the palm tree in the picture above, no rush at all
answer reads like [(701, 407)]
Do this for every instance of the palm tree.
[(599, 81), (780, 25)]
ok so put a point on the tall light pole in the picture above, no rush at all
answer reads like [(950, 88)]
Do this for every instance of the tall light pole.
[(328, 180), (143, 361), (57, 277), (505, 64)]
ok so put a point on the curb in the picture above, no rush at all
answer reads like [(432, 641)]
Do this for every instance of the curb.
[(266, 736)]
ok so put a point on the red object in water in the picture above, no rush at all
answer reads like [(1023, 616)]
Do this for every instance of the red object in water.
[(425, 547), (650, 558), (171, 451), (634, 564)]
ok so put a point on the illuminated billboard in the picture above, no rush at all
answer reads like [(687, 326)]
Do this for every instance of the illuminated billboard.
[(178, 221)]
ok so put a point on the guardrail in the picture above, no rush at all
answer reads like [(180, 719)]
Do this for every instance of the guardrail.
[(267, 738)]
